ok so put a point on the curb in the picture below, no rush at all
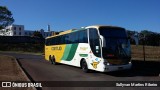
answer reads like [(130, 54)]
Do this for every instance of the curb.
[(22, 70), (27, 75)]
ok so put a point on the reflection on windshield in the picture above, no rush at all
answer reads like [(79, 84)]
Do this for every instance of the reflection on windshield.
[(113, 36), (116, 44), (113, 32)]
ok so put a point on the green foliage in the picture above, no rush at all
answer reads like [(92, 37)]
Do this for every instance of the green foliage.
[(151, 38), (5, 17), (148, 37), (25, 47)]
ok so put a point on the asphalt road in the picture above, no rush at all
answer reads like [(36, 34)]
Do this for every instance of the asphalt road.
[(40, 70)]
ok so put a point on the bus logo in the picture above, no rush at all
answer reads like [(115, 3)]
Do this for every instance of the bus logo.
[(56, 48), (94, 64)]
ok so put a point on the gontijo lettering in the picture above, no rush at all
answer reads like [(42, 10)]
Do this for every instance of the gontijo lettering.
[(56, 48)]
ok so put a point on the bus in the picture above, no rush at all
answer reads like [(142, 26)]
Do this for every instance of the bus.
[(99, 48)]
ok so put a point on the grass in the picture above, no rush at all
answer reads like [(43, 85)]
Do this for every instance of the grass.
[(151, 52)]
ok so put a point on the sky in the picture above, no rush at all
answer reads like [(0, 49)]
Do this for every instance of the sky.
[(135, 15)]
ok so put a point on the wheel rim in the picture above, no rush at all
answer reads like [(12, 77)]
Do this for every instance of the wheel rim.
[(53, 60), (50, 60)]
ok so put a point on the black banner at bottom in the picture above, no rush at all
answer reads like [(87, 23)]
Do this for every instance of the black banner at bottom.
[(81, 84)]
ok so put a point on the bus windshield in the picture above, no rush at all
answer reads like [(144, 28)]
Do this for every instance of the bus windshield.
[(113, 32), (115, 44)]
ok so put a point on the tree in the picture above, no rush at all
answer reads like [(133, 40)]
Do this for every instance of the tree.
[(37, 34), (5, 17), (131, 35), (151, 38)]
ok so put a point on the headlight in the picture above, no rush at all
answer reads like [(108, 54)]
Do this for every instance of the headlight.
[(106, 63)]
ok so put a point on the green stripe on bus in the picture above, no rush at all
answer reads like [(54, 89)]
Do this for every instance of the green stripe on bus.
[(83, 55), (72, 52), (66, 52)]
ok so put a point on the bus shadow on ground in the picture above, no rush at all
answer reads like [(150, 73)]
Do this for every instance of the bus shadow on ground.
[(139, 68)]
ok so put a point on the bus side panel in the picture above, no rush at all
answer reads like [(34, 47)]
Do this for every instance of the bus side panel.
[(69, 54), (74, 53), (58, 52), (47, 53), (93, 62), (55, 50), (84, 52)]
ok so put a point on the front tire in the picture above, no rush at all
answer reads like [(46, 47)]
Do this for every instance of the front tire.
[(52, 60), (84, 66)]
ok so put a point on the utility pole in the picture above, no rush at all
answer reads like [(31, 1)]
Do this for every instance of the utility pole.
[(144, 48)]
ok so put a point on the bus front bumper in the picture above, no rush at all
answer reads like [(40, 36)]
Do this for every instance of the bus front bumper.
[(109, 68)]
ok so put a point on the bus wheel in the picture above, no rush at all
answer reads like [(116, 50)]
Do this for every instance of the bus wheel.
[(84, 66), (53, 60), (50, 59)]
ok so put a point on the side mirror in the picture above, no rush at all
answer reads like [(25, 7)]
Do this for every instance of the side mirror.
[(101, 42)]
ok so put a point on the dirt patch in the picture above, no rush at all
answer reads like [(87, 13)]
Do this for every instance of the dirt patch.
[(11, 71)]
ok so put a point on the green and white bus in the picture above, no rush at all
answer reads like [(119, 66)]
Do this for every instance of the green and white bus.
[(99, 48)]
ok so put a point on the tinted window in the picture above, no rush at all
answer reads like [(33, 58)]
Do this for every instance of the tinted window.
[(94, 42), (71, 38), (83, 36), (62, 41), (48, 41), (75, 37), (67, 39), (113, 32), (52, 41)]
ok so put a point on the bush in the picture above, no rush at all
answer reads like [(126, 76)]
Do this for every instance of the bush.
[(26, 47)]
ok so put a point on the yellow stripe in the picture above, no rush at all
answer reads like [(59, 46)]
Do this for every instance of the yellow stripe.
[(56, 50)]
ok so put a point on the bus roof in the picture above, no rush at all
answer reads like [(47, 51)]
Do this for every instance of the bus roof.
[(66, 32), (99, 26), (74, 30)]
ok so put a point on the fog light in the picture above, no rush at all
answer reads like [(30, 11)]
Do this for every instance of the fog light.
[(108, 64)]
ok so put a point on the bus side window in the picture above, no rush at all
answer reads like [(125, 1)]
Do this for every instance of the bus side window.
[(80, 36), (94, 42), (71, 37), (58, 40), (52, 41), (74, 37), (47, 42), (67, 38), (83, 36), (62, 41)]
